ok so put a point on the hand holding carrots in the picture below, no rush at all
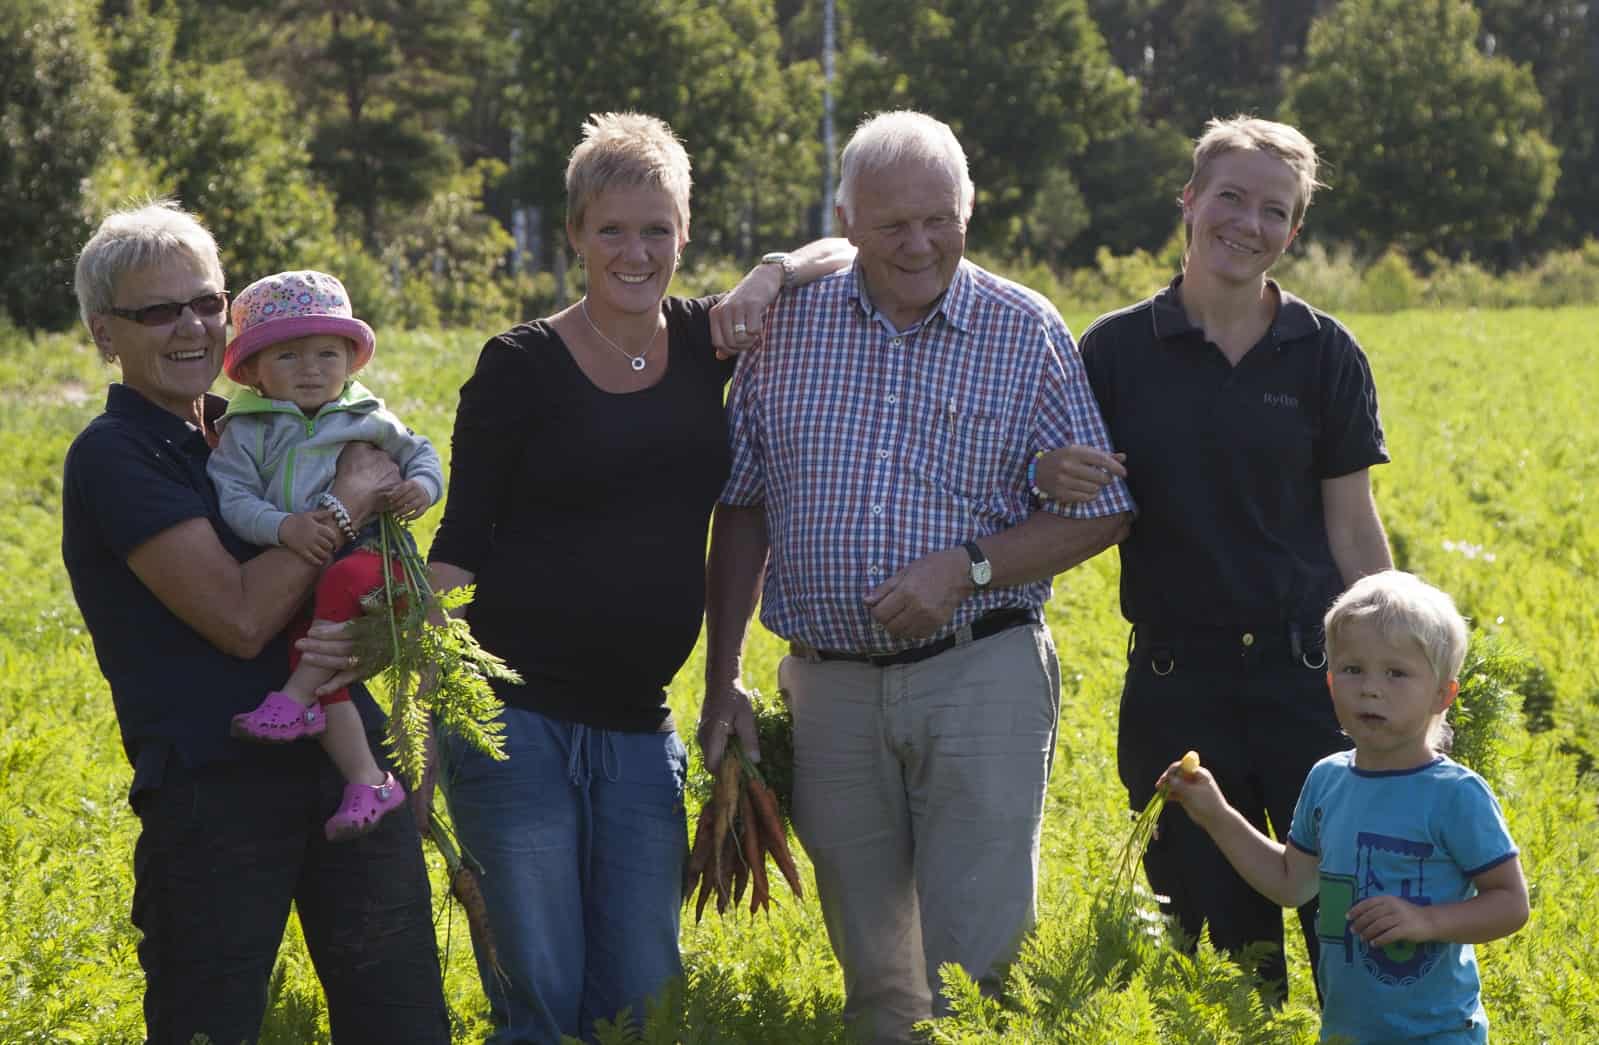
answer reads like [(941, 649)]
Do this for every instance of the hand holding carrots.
[(727, 713), (737, 827)]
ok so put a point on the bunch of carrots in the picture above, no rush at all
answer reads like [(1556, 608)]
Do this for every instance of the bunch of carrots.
[(738, 826)]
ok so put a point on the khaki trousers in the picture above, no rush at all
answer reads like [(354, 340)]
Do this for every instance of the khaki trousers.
[(919, 796)]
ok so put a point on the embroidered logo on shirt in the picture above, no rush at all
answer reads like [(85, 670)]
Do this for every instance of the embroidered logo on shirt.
[(1280, 399)]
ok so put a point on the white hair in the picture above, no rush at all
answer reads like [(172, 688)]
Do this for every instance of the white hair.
[(129, 240), (883, 140)]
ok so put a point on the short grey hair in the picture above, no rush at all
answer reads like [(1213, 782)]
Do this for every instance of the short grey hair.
[(885, 139), (128, 240)]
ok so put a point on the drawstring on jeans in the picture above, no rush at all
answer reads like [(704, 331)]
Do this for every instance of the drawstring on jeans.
[(578, 768), (580, 771)]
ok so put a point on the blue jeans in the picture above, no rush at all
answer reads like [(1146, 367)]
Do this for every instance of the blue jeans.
[(582, 838)]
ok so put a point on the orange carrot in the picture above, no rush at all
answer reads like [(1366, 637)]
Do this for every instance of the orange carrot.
[(464, 884), (749, 849), (754, 858), (705, 893), (700, 854), (724, 795), (772, 831)]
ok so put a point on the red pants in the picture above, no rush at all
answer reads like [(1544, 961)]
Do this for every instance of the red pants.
[(338, 598)]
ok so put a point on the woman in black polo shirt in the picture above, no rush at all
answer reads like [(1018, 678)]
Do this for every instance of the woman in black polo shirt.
[(1248, 422), (187, 624)]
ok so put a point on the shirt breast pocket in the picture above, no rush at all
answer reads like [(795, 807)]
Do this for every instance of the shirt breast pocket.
[(965, 446)]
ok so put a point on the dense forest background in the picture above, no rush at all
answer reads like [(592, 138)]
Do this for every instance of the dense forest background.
[(416, 147)]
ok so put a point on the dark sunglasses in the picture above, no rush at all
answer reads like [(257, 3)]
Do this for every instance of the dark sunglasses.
[(169, 311)]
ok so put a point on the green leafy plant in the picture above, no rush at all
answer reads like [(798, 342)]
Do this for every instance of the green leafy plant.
[(437, 674), (1487, 712)]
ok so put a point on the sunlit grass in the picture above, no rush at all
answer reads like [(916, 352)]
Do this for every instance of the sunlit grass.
[(1491, 495)]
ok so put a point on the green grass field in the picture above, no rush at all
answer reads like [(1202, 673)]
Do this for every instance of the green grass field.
[(1492, 495)]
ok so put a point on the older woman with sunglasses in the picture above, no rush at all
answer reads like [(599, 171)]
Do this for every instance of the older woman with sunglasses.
[(187, 621)]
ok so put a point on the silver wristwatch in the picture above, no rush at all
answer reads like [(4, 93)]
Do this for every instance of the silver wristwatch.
[(982, 569), (786, 263)]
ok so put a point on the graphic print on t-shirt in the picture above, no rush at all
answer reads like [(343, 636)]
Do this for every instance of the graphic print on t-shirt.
[(1384, 866)]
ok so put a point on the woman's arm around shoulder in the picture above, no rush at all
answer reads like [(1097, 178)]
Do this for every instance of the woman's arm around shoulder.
[(239, 607)]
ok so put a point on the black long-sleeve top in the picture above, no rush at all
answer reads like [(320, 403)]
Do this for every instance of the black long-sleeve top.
[(582, 514)]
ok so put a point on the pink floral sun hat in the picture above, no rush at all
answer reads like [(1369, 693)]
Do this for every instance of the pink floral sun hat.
[(289, 305)]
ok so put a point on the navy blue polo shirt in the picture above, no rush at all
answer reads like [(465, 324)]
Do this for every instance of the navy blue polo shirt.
[(1226, 462), (134, 472)]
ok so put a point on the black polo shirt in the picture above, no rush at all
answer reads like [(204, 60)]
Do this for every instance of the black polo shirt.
[(1226, 462), (134, 472)]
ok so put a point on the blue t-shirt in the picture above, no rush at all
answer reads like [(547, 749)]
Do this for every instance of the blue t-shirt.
[(1421, 834)]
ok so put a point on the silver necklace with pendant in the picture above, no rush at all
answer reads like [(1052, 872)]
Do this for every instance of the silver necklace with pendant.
[(636, 362)]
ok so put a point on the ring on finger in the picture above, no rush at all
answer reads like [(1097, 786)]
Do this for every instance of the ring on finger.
[(740, 329), (351, 661)]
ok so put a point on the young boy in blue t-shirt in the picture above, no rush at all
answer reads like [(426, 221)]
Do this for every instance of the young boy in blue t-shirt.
[(1407, 850)]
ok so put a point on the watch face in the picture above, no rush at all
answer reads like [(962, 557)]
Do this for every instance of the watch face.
[(982, 573)]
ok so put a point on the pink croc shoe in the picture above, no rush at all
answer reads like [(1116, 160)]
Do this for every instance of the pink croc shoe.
[(363, 806), (280, 719)]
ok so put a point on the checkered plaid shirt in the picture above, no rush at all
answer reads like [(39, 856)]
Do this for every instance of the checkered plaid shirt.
[(871, 448)]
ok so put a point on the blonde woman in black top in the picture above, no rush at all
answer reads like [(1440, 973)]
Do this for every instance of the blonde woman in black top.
[(589, 448)]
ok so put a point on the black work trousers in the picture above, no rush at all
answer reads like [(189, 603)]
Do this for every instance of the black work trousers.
[(223, 849), (1256, 708)]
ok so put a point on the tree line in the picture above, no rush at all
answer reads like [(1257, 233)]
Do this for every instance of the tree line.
[(409, 144)]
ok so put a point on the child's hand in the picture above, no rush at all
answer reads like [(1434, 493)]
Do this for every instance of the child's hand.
[(409, 500), (1382, 920), (309, 537), (1197, 791), (1075, 474)]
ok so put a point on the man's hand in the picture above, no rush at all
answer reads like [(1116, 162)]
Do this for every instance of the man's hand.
[(409, 500), (1075, 474), (736, 319), (310, 535), (922, 597), (726, 712)]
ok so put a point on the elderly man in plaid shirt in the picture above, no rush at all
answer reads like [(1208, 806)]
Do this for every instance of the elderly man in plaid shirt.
[(882, 437)]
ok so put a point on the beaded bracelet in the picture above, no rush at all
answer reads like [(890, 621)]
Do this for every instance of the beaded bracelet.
[(341, 514), (1032, 477)]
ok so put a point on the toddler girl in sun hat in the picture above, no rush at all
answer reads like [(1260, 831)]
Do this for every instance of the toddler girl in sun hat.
[(296, 348)]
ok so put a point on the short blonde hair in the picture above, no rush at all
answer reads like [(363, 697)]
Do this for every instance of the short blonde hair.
[(1403, 606), (1251, 134), (627, 149), (139, 237), (889, 137)]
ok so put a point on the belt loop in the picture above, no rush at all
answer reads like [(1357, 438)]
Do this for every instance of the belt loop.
[(805, 651), (963, 634)]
